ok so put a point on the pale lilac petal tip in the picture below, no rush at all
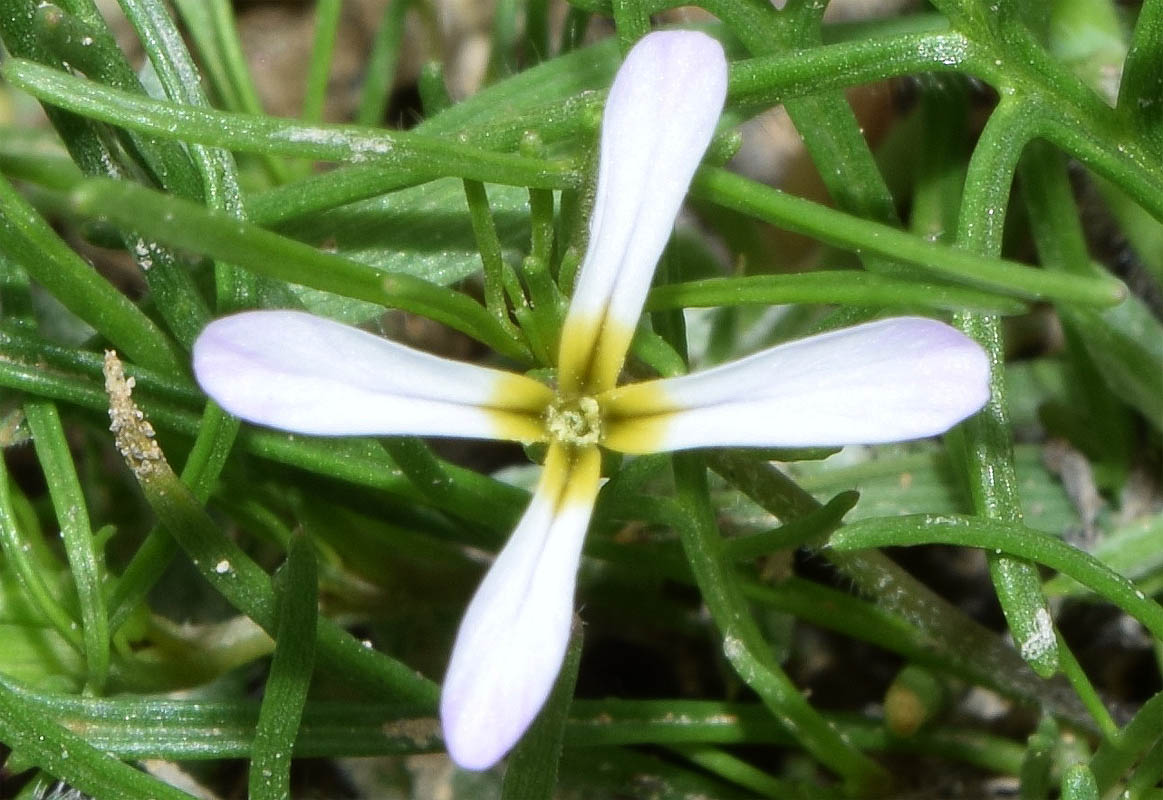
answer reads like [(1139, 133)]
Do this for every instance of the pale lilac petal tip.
[(302, 373), (885, 381), (659, 118), (513, 638)]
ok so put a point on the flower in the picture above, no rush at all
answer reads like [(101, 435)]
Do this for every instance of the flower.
[(889, 380)]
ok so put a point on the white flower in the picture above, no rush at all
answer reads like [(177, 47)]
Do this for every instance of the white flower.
[(890, 380)]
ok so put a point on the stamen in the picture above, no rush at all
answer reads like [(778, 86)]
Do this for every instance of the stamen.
[(574, 421)]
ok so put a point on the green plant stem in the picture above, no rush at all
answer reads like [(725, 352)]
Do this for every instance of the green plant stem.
[(631, 22), (101, 59), (327, 15), (1141, 84), (166, 162), (1011, 538), (852, 233), (187, 730), (842, 287), (742, 773), (983, 442), (21, 556), (85, 562), (743, 644), (1108, 365), (213, 443), (220, 188), (1078, 783), (1086, 691), (227, 47), (767, 80), (182, 83), (489, 244), (831, 134), (187, 225), (230, 49), (232, 572), (814, 526), (537, 31), (1115, 756), (969, 649), (1144, 783), (70, 757), (286, 688), (438, 483), (505, 40), (381, 64), (257, 134), (27, 238)]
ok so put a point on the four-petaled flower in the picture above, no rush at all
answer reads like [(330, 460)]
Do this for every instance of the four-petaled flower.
[(884, 381)]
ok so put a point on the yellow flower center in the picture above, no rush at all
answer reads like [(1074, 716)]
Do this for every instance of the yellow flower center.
[(574, 421)]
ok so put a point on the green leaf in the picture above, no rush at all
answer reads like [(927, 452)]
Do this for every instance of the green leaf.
[(916, 478), (27, 239), (85, 561), (36, 654), (69, 757), (290, 675), (327, 14), (423, 231), (1126, 343), (1008, 537), (1131, 550), (191, 226), (1078, 783), (228, 568), (854, 233), (389, 150), (842, 287), (743, 643)]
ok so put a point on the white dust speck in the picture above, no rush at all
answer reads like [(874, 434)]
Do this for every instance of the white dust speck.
[(1042, 639)]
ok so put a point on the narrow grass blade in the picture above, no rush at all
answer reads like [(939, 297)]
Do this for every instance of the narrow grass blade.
[(1007, 537), (86, 563), (27, 238), (297, 587), (228, 568), (842, 287), (187, 225), (852, 233), (67, 755), (265, 135)]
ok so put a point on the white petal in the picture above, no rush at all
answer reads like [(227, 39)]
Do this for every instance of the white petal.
[(885, 381), (303, 373), (514, 635), (659, 118)]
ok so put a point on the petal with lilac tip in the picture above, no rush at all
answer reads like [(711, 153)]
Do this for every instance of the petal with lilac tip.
[(886, 381), (659, 119), (513, 638), (302, 373)]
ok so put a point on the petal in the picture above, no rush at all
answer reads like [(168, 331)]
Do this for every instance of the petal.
[(306, 374), (514, 635), (885, 381), (659, 118)]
